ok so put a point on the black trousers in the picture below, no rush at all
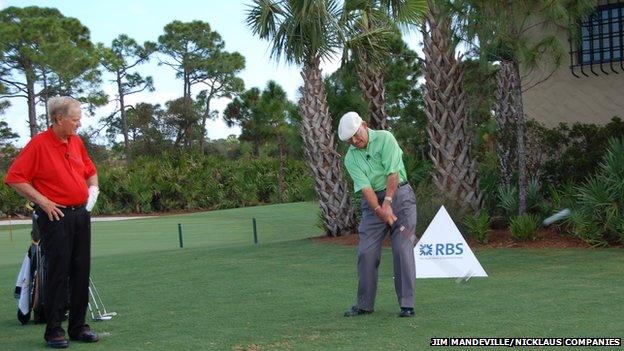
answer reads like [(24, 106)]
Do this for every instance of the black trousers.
[(66, 245)]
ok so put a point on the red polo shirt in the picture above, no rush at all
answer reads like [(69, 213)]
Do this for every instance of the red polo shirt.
[(57, 169)]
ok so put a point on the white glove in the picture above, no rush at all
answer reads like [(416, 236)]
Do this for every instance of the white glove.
[(94, 191)]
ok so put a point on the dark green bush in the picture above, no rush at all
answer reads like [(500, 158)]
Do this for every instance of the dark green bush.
[(574, 152), (598, 216), (10, 201), (161, 184)]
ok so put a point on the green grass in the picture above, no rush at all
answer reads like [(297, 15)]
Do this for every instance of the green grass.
[(223, 293)]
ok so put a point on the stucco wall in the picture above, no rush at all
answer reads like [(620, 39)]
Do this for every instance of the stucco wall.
[(565, 98)]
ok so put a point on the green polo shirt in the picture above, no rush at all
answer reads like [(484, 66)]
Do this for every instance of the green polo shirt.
[(370, 167)]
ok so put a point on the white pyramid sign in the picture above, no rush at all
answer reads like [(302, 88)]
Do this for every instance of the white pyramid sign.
[(442, 251)]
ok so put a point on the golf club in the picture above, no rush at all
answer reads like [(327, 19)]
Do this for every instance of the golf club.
[(556, 217), (99, 298), (100, 312)]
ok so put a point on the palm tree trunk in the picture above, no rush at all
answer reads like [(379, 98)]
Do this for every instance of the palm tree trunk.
[(371, 81), (321, 155), (446, 108)]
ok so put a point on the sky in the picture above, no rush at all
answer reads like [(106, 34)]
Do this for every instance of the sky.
[(144, 20)]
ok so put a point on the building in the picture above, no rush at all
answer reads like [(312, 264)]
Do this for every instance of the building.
[(588, 87)]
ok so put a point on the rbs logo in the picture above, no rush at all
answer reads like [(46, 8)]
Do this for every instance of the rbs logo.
[(447, 249)]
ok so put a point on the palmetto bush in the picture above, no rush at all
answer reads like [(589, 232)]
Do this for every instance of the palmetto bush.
[(524, 227), (508, 199), (478, 225), (598, 217)]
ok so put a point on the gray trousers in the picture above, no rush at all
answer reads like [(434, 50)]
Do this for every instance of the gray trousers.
[(372, 231)]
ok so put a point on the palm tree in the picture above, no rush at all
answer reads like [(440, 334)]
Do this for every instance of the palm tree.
[(305, 32), (370, 25), (446, 109)]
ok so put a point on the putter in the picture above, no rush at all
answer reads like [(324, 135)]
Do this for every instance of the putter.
[(98, 318), (94, 298), (99, 298)]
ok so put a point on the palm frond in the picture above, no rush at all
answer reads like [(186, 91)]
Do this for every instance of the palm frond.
[(262, 17), (299, 30), (406, 12)]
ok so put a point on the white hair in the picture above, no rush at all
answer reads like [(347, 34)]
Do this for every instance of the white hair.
[(58, 107)]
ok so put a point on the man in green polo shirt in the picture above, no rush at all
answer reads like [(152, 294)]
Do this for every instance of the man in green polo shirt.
[(375, 162)]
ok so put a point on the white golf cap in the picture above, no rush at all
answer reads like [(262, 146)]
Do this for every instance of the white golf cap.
[(349, 124)]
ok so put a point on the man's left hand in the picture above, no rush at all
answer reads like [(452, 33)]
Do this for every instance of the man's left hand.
[(386, 213)]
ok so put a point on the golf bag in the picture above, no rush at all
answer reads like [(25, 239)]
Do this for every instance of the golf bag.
[(30, 287)]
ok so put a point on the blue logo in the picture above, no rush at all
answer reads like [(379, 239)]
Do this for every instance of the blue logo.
[(442, 249), (426, 249)]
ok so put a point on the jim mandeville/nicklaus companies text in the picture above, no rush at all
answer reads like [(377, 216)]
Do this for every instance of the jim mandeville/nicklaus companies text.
[(511, 342)]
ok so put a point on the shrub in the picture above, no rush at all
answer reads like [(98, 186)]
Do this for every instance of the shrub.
[(598, 217), (10, 201), (573, 151), (535, 203), (189, 182), (524, 227), (478, 226)]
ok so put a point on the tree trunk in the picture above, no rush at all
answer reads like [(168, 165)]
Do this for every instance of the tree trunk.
[(124, 119), (522, 179), (204, 118), (46, 96), (255, 150), (321, 155), (282, 167), (511, 128), (505, 113), (186, 78), (446, 108), (371, 81), (31, 99)]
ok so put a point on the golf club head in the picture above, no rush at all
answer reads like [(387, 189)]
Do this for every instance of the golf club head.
[(556, 217), (465, 278), (103, 318), (110, 314)]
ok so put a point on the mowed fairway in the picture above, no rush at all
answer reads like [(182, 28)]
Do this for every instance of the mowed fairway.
[(221, 292)]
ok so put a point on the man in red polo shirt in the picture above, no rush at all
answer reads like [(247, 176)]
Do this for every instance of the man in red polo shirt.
[(55, 172)]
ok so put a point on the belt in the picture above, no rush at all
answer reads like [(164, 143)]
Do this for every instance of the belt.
[(398, 186), (66, 208), (74, 207)]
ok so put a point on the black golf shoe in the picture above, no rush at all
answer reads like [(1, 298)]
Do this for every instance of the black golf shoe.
[(406, 312), (56, 339), (85, 335), (356, 311)]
